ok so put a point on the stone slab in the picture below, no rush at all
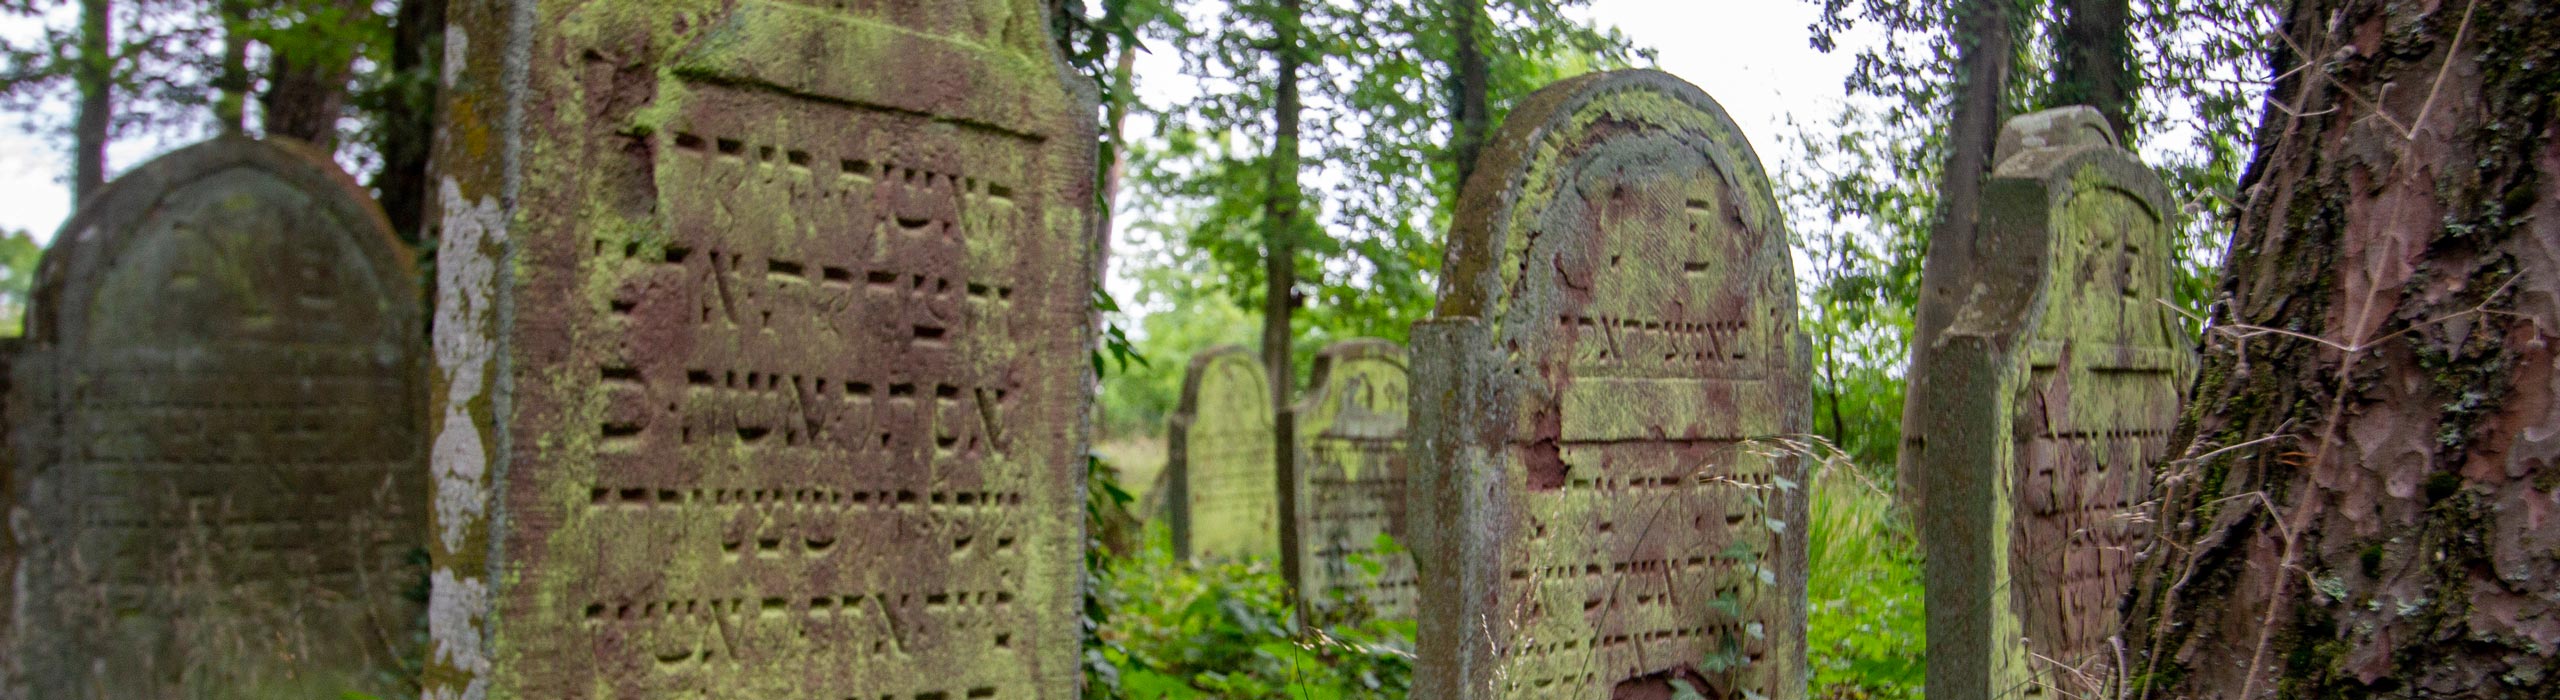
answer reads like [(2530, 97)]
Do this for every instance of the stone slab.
[(1351, 433), (219, 452), (762, 351), (2043, 409), (1222, 495), (1598, 508)]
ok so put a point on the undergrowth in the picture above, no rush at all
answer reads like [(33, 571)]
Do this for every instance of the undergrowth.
[(1866, 627), (1158, 628), (1162, 629)]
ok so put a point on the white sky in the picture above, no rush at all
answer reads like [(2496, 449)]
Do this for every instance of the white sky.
[(1752, 55)]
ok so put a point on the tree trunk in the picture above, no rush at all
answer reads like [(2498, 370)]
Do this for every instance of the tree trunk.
[(1280, 270), (1115, 168), (307, 90), (2370, 505), (2096, 65), (408, 119), (231, 85), (1471, 103), (1982, 70), (90, 130)]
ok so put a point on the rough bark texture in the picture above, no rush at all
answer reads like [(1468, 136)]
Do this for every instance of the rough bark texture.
[(1983, 31), (2095, 65), (1280, 271), (2370, 506)]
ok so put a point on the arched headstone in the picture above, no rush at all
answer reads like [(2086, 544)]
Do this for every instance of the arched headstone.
[(219, 450), (2053, 391), (1602, 505), (762, 351), (1221, 499), (1351, 455)]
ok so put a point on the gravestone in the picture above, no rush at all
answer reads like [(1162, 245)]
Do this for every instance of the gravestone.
[(9, 348), (762, 351), (1221, 493), (218, 446), (1351, 428), (2042, 409), (1603, 501)]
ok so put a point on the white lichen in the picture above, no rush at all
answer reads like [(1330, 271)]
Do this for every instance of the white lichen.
[(455, 607), (466, 284), (456, 45)]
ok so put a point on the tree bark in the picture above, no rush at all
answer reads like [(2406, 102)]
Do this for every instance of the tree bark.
[(1280, 272), (2370, 502), (307, 90), (1471, 102), (1983, 37), (231, 86), (408, 119), (90, 129), (2096, 66)]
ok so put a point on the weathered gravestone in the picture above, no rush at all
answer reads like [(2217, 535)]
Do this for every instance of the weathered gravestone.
[(762, 351), (1351, 428), (1600, 507), (9, 656), (219, 452), (2041, 409), (1220, 497)]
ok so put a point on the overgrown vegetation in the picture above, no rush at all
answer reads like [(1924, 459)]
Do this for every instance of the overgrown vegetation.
[(1864, 621), (1163, 629)]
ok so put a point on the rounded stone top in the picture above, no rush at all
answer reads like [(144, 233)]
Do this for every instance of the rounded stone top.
[(229, 180), (1523, 161), (2072, 127), (1354, 350), (1198, 373)]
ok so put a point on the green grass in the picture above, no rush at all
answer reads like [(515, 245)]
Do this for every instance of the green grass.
[(1866, 631)]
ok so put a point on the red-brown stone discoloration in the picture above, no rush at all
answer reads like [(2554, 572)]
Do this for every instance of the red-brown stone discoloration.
[(797, 324), (1597, 505)]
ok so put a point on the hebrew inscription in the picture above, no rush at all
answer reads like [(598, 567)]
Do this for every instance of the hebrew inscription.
[(2077, 370), (1598, 510), (1351, 431), (220, 440), (799, 361), (1223, 501)]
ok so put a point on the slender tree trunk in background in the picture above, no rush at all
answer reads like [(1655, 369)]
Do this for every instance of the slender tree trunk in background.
[(307, 91), (2096, 65), (409, 110), (1982, 70), (1831, 373), (90, 129), (1471, 102), (231, 86), (1116, 129), (2370, 503), (1280, 270)]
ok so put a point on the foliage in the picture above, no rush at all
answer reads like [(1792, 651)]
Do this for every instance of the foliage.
[(1375, 89), (1162, 629), (1866, 627), (168, 56), (1862, 197), (19, 254)]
